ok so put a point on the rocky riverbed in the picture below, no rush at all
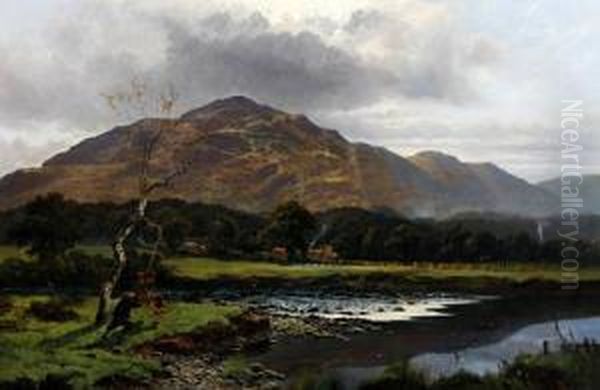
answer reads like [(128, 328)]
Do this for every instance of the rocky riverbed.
[(212, 372), (205, 360), (372, 308)]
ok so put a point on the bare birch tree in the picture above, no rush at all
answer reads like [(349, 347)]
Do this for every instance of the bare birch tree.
[(114, 305)]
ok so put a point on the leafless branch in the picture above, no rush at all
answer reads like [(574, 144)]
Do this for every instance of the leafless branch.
[(135, 99)]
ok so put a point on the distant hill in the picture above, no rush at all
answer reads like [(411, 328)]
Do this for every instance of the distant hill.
[(589, 192), (483, 187), (251, 156)]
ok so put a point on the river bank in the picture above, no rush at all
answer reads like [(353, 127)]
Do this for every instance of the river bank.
[(238, 278), (305, 319), (360, 356)]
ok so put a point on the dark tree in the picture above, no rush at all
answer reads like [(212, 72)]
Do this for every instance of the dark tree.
[(455, 243), (481, 246), (223, 234), (47, 227), (175, 233), (522, 247), (404, 242), (290, 226)]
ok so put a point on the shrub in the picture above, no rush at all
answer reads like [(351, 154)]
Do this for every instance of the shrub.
[(75, 269), (5, 304), (16, 272), (460, 381), (535, 373), (55, 310), (78, 269), (398, 376), (315, 381)]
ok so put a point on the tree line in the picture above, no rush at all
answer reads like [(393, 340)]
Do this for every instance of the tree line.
[(50, 225)]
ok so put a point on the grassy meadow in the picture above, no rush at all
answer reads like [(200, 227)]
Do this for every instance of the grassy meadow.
[(32, 348), (207, 269), (8, 251), (201, 268)]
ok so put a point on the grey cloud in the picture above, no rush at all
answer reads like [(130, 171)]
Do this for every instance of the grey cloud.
[(362, 20), (102, 46), (293, 70), (18, 153), (57, 75), (426, 70)]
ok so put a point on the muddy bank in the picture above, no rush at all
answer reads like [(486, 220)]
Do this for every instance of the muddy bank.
[(246, 331)]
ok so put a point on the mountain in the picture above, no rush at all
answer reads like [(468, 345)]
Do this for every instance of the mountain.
[(251, 156), (589, 191), (483, 187)]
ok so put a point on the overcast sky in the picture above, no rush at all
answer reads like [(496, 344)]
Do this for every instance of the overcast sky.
[(479, 79)]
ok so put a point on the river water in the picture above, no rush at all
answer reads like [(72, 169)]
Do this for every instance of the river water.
[(439, 334), (375, 308), (490, 357)]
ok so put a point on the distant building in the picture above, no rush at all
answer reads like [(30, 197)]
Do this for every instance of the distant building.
[(194, 248), (323, 254), (279, 253)]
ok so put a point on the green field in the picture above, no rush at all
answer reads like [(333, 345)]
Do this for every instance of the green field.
[(6, 252), (33, 348), (206, 269)]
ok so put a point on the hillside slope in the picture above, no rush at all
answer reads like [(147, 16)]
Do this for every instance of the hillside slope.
[(250, 156), (589, 191)]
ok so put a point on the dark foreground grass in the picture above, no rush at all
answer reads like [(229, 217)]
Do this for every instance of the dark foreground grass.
[(568, 369), (33, 350)]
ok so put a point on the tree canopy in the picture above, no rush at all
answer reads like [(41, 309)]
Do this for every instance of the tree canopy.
[(48, 226), (290, 226)]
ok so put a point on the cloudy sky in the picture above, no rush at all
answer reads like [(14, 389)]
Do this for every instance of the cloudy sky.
[(480, 79)]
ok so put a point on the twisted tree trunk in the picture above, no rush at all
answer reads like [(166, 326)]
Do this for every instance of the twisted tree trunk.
[(107, 302), (115, 309)]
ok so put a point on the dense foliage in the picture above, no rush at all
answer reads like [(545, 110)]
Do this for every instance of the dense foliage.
[(47, 226), (290, 226), (353, 233)]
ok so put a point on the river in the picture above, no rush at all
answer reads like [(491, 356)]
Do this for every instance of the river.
[(439, 334)]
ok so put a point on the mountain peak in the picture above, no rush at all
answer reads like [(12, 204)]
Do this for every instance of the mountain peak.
[(236, 105), (236, 101), (247, 155), (428, 157)]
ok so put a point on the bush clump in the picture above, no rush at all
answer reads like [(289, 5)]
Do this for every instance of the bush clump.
[(575, 367), (5, 304), (75, 269), (398, 376), (54, 310)]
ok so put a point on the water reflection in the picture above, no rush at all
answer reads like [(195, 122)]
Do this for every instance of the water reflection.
[(374, 309), (489, 358)]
